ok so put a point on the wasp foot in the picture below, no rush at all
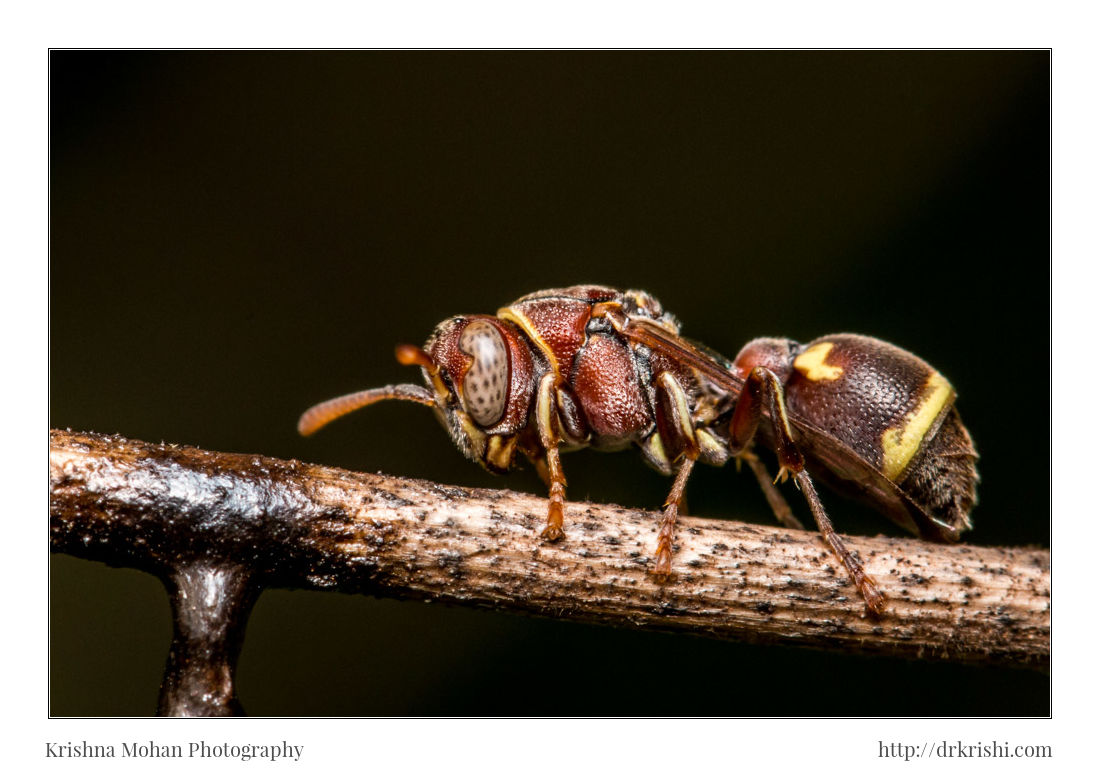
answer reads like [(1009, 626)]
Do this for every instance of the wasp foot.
[(552, 533), (554, 521), (876, 601)]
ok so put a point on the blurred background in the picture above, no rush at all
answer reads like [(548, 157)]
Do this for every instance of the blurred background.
[(237, 235)]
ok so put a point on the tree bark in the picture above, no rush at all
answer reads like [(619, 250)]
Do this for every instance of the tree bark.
[(218, 527)]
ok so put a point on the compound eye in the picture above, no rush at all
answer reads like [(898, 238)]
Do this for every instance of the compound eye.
[(485, 387)]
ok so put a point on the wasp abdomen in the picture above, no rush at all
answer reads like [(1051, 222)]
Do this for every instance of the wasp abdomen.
[(943, 479), (881, 401)]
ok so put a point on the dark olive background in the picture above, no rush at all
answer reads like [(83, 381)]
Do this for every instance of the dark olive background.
[(237, 235)]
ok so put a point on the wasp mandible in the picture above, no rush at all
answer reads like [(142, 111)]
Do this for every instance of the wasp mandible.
[(593, 366)]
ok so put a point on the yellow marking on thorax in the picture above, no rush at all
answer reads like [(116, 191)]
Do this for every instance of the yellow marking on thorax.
[(811, 363), (524, 323), (900, 443)]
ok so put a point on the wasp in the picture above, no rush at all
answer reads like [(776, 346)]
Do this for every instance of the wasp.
[(592, 366)]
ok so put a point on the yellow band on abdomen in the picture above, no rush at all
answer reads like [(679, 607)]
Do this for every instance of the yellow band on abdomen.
[(900, 443)]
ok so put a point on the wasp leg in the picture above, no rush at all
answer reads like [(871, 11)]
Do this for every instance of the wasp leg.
[(876, 602), (555, 516), (547, 415), (782, 510), (749, 410), (763, 384), (682, 429), (535, 455), (662, 568), (540, 460)]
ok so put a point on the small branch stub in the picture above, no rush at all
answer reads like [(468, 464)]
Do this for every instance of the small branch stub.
[(219, 527), (210, 607)]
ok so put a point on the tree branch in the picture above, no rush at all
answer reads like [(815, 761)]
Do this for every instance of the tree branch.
[(219, 527)]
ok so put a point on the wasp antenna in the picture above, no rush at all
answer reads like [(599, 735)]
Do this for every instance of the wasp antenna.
[(320, 415), (411, 356)]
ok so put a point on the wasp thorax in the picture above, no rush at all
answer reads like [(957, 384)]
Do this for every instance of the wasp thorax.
[(485, 385)]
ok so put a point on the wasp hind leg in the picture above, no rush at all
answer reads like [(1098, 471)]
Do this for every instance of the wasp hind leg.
[(763, 385), (876, 601)]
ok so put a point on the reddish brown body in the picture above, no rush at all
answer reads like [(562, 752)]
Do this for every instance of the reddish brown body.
[(594, 366)]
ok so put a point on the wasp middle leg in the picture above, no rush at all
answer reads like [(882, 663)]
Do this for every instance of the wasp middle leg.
[(680, 428), (662, 568)]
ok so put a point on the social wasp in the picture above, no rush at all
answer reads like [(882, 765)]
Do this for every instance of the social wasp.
[(592, 366)]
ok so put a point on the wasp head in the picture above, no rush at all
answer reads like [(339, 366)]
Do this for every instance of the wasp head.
[(479, 374)]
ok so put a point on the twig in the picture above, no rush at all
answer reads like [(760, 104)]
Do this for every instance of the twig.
[(219, 527)]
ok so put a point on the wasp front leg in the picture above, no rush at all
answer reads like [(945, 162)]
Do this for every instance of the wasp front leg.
[(762, 386), (551, 471)]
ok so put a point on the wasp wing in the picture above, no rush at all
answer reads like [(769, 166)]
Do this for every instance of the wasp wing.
[(711, 365), (843, 470)]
